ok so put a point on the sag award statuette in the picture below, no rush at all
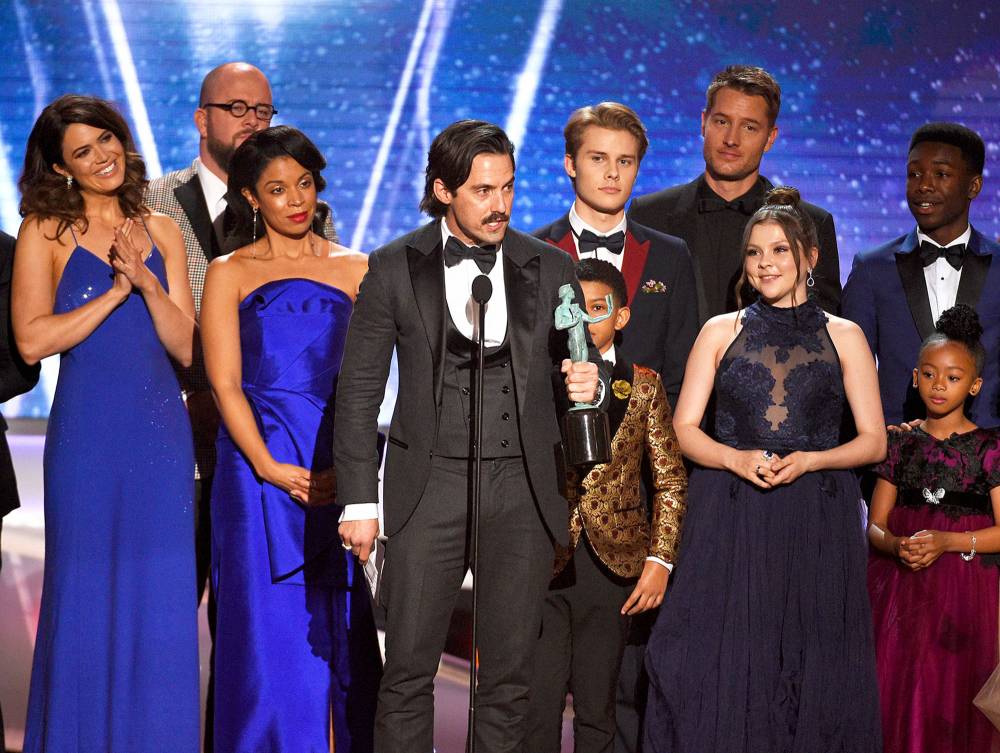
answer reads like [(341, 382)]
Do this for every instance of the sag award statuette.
[(586, 436)]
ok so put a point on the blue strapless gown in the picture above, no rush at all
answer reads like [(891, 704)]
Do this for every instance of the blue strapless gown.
[(116, 658), (295, 645)]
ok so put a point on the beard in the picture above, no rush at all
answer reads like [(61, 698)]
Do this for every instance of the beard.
[(221, 152)]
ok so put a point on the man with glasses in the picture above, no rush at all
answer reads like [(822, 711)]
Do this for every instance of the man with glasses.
[(235, 101)]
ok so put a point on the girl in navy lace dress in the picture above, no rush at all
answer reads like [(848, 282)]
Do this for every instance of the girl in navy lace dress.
[(933, 593), (764, 642)]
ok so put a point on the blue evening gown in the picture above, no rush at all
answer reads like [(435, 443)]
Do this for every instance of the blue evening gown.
[(116, 658), (296, 653)]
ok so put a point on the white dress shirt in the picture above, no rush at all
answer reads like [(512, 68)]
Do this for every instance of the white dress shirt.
[(942, 278), (214, 191), (610, 357), (464, 314), (601, 253)]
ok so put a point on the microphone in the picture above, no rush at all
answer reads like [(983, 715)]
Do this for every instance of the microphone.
[(482, 289)]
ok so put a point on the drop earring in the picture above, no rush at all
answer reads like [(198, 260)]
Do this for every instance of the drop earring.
[(69, 182), (810, 280), (253, 249)]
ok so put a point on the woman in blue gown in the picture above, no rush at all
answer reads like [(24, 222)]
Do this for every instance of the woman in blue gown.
[(295, 649), (103, 282), (764, 641)]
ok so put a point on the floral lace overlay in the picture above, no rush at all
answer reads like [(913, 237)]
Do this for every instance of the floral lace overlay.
[(779, 385)]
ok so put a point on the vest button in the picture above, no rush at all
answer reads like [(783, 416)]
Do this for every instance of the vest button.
[(465, 390), (505, 417), (505, 389), (504, 443), (505, 364)]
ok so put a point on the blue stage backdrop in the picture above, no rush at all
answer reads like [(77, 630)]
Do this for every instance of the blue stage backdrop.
[(371, 81)]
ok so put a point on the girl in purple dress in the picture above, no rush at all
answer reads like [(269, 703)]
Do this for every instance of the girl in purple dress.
[(933, 592)]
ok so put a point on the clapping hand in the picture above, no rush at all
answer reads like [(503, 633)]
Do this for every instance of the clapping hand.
[(127, 260)]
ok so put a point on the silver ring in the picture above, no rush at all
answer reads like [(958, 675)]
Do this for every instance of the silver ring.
[(346, 547), (767, 454)]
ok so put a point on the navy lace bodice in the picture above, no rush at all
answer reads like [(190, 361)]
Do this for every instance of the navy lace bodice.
[(779, 385)]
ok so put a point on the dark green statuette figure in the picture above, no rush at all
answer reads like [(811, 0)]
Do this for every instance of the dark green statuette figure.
[(586, 435)]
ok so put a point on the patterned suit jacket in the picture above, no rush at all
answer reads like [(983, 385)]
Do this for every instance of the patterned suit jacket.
[(607, 503), (179, 196)]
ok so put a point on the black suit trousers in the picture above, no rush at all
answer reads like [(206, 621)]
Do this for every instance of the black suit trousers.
[(425, 564)]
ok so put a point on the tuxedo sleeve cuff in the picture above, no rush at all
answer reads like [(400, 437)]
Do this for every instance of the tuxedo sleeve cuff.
[(359, 511), (658, 561)]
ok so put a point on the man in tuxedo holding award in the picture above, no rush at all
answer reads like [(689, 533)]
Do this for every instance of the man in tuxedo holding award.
[(417, 298)]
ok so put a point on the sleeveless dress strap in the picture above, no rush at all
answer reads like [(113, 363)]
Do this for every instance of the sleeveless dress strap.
[(73, 233)]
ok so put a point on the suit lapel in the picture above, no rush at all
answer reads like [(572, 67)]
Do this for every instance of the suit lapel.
[(974, 271), (192, 200), (634, 263), (521, 275), (562, 237), (426, 263), (618, 407), (683, 222), (911, 274)]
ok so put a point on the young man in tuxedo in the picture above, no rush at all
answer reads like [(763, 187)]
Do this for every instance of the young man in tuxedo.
[(738, 125), (605, 144), (416, 299), (620, 551), (16, 377), (897, 291)]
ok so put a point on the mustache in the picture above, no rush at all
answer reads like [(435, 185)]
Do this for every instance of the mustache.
[(497, 217)]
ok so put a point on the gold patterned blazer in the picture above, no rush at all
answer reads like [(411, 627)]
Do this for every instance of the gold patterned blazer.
[(607, 502)]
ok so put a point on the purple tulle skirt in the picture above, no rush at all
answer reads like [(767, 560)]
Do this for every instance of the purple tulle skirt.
[(935, 641)]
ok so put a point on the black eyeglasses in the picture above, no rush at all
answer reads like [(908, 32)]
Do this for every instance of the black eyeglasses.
[(238, 108)]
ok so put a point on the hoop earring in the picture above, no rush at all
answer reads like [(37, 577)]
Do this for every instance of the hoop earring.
[(69, 182), (810, 280), (253, 249)]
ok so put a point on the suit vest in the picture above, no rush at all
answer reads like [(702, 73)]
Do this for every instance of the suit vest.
[(501, 436)]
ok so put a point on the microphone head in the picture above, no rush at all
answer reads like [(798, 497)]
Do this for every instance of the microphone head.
[(482, 289)]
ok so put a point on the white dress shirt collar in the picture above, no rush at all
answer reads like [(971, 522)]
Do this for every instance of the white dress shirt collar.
[(578, 225), (213, 188), (458, 294), (964, 238)]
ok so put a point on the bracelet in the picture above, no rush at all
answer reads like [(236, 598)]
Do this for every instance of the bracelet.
[(968, 557)]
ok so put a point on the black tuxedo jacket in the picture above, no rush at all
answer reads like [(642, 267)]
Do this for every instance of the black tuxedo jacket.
[(402, 305), (886, 295), (674, 210), (665, 323), (15, 376)]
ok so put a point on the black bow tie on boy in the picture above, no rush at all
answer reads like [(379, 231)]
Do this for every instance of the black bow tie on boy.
[(456, 251), (930, 253), (590, 242)]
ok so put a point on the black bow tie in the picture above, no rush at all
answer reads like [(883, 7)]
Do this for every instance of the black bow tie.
[(743, 206), (589, 242), (930, 253), (456, 251)]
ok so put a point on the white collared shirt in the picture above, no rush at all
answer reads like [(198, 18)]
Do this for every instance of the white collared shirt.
[(942, 279), (601, 253), (458, 292), (611, 357), (213, 188)]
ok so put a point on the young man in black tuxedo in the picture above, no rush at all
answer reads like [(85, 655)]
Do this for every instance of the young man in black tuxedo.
[(416, 299), (738, 124), (605, 144)]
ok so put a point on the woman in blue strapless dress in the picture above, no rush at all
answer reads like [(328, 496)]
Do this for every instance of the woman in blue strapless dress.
[(764, 640), (296, 654), (103, 282)]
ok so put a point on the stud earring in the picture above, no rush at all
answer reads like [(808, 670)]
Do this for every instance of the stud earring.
[(810, 280)]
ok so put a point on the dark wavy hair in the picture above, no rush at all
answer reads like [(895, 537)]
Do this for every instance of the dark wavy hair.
[(44, 192), (249, 162), (606, 273), (959, 324), (782, 205), (750, 80), (451, 154)]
